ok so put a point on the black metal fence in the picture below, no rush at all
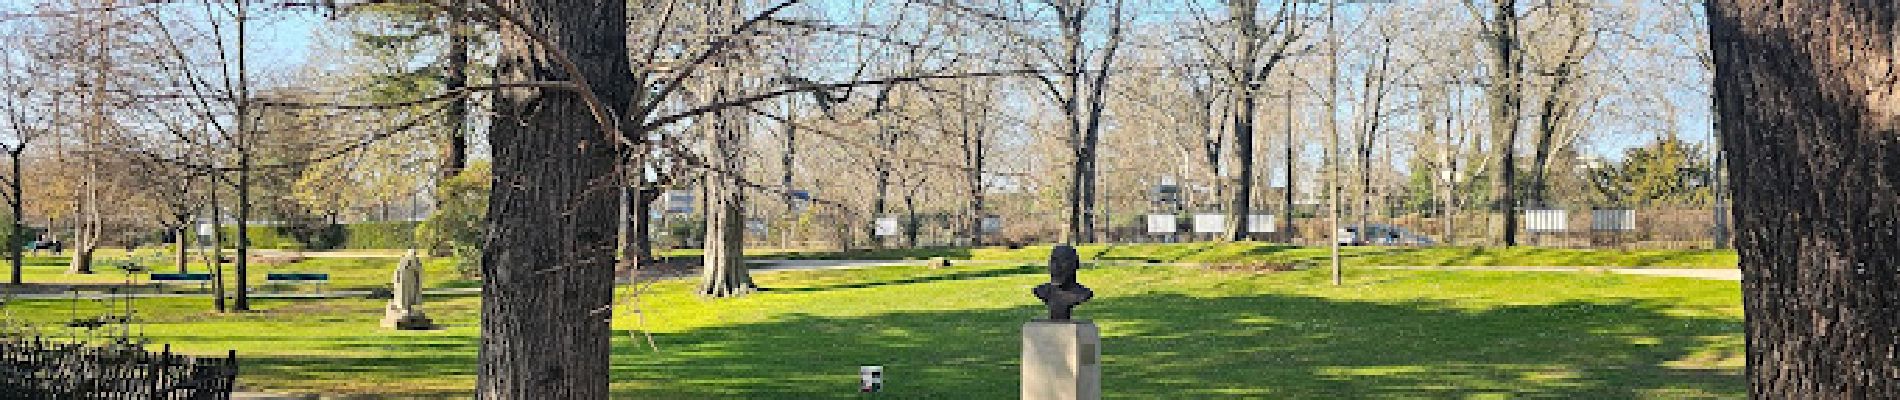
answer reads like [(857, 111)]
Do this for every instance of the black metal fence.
[(42, 369)]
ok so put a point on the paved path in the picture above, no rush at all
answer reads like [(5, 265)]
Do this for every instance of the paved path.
[(332, 294), (1697, 273)]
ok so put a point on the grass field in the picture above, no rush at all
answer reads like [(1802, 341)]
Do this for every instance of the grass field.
[(1169, 332), (1306, 256)]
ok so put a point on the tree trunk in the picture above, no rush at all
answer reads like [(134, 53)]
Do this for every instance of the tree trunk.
[(455, 77), (886, 141), (637, 242), (547, 259), (723, 270), (1809, 117), (179, 245), (910, 219), (1286, 211), (1240, 201), (17, 233), (243, 295), (973, 174), (217, 245), (1502, 94)]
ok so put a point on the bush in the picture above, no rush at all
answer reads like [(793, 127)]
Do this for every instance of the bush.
[(379, 235), (460, 219), (357, 236)]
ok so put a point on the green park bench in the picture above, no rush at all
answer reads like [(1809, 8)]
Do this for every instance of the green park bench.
[(201, 279), (298, 278)]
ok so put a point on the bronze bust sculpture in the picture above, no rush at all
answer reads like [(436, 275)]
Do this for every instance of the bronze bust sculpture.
[(1063, 293)]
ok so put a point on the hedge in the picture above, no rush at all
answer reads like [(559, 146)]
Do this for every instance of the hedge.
[(357, 236)]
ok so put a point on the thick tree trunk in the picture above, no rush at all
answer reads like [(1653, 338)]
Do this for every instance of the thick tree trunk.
[(1810, 113), (81, 262), (547, 259), (1503, 95), (1240, 201), (724, 272)]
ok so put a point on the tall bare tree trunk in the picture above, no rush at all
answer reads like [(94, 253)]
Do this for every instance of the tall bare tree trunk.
[(1286, 209), (243, 258), (246, 128), (217, 245), (1240, 200), (1810, 112), (1501, 32), (16, 233), (455, 77), (547, 260)]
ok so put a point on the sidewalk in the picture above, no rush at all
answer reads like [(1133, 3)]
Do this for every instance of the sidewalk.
[(1696, 273)]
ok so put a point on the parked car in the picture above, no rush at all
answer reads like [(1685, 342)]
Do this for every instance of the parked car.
[(1381, 235)]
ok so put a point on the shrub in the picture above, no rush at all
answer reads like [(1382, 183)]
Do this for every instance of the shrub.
[(460, 218)]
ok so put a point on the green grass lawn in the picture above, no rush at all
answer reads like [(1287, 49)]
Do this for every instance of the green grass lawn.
[(1307, 256), (1168, 332), (345, 273)]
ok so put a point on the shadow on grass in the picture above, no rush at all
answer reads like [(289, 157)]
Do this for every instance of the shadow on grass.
[(1155, 346), (953, 276), (1176, 346)]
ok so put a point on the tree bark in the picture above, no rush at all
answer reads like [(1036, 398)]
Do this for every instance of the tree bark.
[(17, 230), (1810, 113), (1286, 209), (217, 245), (724, 273), (638, 240), (1503, 96), (243, 260), (547, 259), (455, 77), (1240, 203)]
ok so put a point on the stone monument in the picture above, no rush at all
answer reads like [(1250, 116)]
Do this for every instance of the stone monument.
[(404, 312), (1061, 356)]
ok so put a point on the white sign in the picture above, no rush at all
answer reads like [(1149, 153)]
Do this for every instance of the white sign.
[(886, 226), (1161, 223), (1210, 223), (756, 226), (870, 378), (991, 224), (1546, 220), (1613, 220), (205, 230), (1260, 223), (679, 202)]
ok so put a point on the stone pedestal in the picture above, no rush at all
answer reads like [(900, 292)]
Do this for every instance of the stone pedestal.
[(1062, 360), (406, 320)]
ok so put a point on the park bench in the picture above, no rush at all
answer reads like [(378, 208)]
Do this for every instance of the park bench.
[(201, 279), (298, 278)]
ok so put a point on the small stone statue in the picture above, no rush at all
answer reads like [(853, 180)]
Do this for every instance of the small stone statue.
[(403, 312), (1062, 293)]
